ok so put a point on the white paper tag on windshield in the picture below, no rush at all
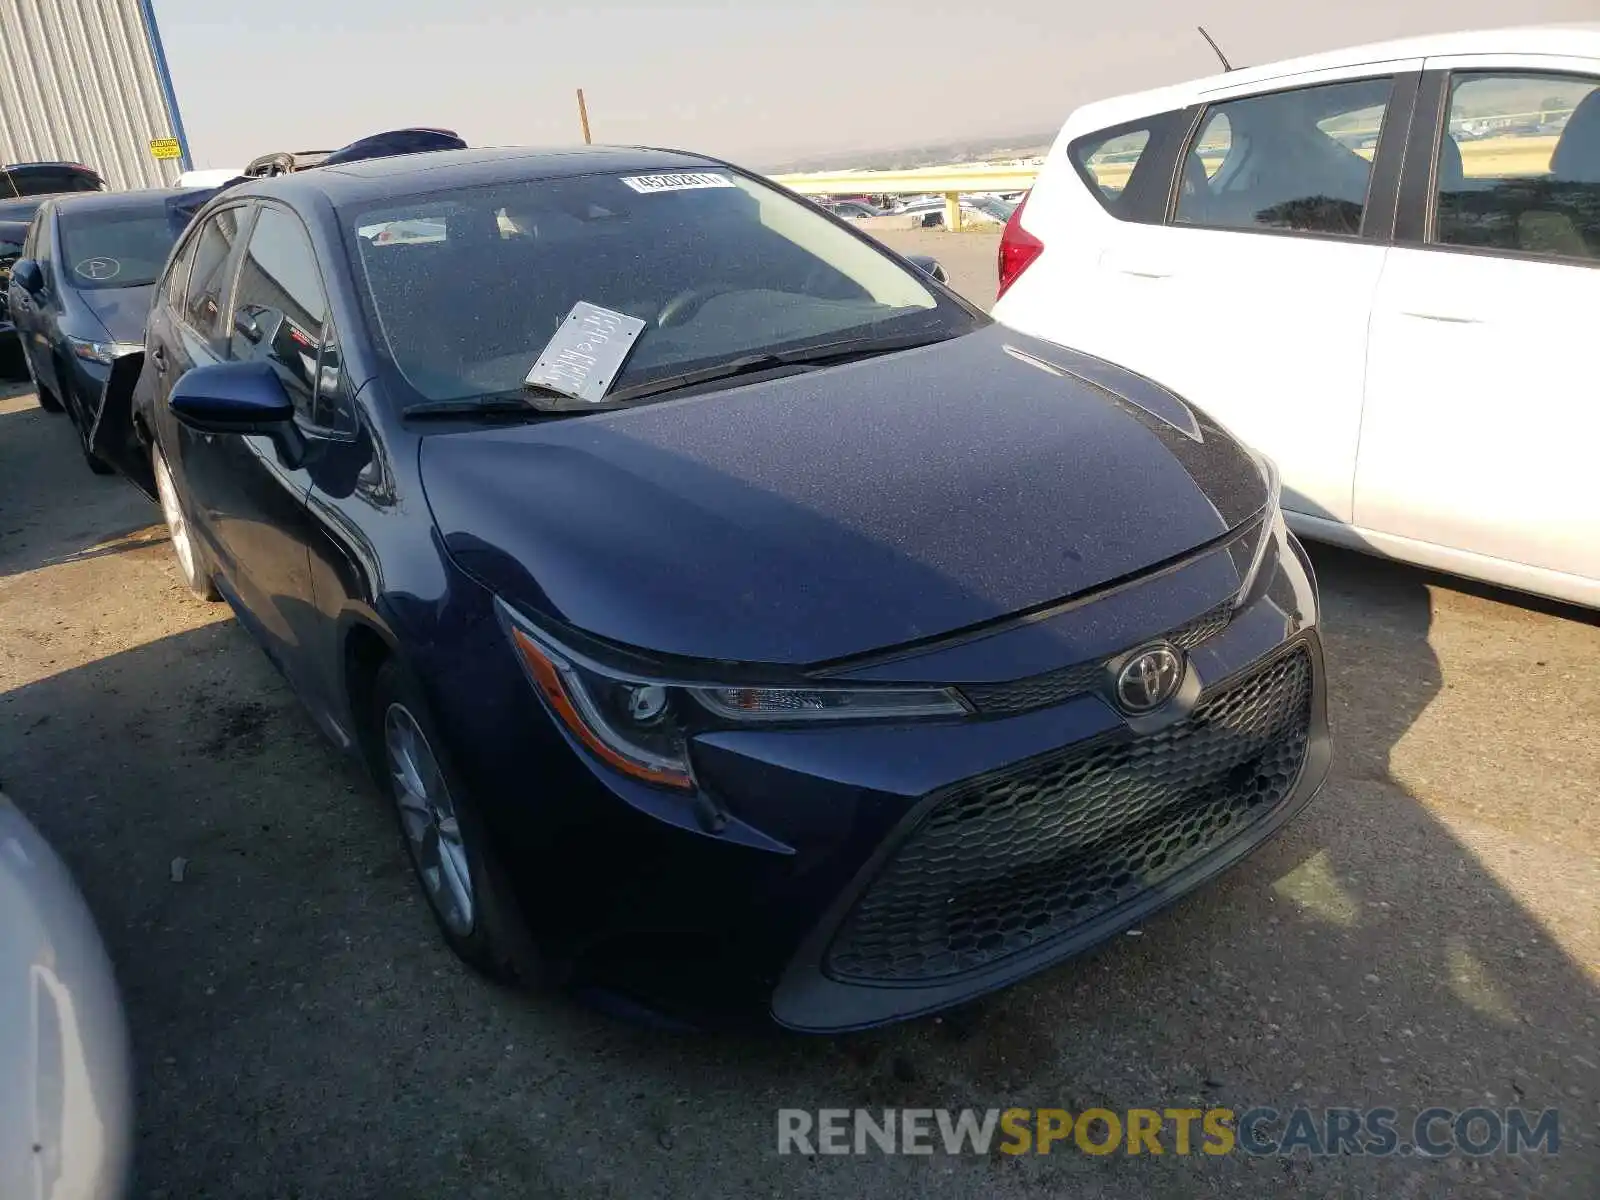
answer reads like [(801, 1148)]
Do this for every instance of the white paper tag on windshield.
[(586, 354), (686, 182)]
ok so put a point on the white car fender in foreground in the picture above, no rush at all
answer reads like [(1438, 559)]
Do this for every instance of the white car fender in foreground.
[(66, 1098)]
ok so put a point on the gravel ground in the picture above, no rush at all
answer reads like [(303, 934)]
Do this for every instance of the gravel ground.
[(1426, 933), (968, 258)]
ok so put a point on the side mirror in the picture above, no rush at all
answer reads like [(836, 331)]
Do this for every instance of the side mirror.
[(28, 275), (239, 398), (247, 327), (928, 265)]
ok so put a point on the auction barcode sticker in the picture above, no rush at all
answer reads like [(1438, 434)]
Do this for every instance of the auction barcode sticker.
[(677, 183)]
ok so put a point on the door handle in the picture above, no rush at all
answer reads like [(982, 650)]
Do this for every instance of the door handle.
[(159, 357), (1447, 318)]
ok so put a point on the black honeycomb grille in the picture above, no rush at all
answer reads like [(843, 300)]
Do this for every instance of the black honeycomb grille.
[(1011, 860), (1207, 625), (1052, 687)]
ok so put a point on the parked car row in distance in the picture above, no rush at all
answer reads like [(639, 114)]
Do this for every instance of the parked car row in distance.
[(23, 187), (79, 293)]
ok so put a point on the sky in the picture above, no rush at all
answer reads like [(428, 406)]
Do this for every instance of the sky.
[(756, 82)]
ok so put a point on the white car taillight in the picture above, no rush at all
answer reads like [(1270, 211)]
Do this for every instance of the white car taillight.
[(1018, 249)]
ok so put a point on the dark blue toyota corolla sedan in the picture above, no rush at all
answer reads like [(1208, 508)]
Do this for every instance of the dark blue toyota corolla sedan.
[(734, 616)]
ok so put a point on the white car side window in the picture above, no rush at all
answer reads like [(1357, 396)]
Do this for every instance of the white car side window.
[(1519, 165), (1297, 161)]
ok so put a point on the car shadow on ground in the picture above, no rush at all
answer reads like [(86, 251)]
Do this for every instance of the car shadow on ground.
[(299, 1026), (54, 508)]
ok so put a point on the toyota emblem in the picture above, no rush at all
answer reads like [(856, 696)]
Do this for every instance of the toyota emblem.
[(1149, 678)]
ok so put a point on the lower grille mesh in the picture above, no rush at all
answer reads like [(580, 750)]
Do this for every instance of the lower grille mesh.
[(1011, 860)]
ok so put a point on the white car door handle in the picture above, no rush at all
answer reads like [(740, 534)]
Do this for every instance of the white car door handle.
[(1449, 318)]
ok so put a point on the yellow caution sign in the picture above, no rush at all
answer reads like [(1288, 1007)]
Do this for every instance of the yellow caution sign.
[(165, 148)]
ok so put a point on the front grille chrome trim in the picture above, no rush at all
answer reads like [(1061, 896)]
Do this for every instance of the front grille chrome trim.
[(1056, 687)]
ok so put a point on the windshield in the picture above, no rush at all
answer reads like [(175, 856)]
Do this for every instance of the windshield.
[(466, 287), (115, 249)]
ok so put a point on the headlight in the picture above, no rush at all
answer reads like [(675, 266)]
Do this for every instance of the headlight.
[(1272, 529), (104, 353), (640, 725)]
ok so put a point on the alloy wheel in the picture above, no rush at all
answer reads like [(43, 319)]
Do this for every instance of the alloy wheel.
[(177, 524), (428, 818)]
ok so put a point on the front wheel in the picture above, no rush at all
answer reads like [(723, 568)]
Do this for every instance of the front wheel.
[(466, 887), (191, 556), (47, 399)]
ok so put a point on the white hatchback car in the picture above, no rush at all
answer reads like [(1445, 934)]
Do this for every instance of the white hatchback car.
[(1381, 266)]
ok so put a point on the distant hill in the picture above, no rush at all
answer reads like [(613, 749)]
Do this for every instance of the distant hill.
[(905, 158)]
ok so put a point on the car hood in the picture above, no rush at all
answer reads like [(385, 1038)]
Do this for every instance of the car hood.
[(121, 310), (817, 516)]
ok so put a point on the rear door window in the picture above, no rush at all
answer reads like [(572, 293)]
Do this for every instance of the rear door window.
[(1297, 161), (1518, 170), (1128, 167), (177, 281), (280, 308), (207, 288), (1110, 163)]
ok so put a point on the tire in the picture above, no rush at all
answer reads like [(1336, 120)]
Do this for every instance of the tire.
[(193, 563), (92, 460), (465, 885), (47, 398)]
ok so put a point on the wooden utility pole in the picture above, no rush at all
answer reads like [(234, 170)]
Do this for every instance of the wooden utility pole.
[(583, 117)]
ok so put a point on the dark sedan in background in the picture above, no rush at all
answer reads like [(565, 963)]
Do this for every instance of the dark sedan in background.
[(734, 616), (79, 291), (14, 218), (48, 179)]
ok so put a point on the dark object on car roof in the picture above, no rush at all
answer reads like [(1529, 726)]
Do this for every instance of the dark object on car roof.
[(47, 178), (377, 145), (397, 141), (182, 208), (283, 162)]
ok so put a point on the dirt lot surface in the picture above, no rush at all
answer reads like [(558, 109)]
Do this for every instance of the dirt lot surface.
[(1425, 934), (968, 258)]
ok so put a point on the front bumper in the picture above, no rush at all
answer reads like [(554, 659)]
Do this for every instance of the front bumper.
[(745, 894), (1101, 835)]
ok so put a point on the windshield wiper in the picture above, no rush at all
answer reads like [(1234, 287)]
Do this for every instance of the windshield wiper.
[(475, 406), (527, 404), (819, 355)]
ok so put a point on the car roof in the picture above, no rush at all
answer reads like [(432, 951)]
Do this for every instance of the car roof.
[(436, 170), (93, 202), (23, 209), (1580, 39)]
